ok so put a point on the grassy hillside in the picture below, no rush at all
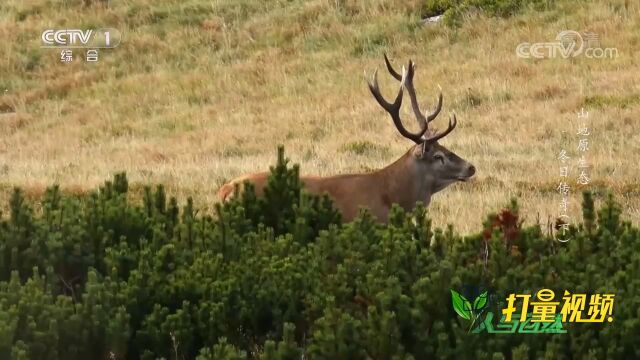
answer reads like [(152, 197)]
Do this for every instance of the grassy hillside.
[(202, 91)]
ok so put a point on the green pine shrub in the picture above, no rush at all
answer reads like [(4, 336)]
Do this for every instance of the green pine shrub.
[(281, 277)]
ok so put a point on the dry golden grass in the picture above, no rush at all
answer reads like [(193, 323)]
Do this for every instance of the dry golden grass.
[(200, 92)]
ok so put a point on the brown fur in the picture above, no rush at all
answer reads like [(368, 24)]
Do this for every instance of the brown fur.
[(401, 182), (226, 192)]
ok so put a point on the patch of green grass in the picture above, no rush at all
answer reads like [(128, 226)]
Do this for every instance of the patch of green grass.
[(472, 98), (363, 148), (235, 152), (454, 10), (159, 15), (602, 101), (30, 59), (503, 96), (239, 10), (171, 126), (23, 14), (370, 42), (193, 14), (121, 130)]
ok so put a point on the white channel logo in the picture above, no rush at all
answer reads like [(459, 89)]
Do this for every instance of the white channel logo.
[(75, 38)]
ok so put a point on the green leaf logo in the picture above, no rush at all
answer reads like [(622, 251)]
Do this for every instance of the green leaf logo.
[(480, 302), (461, 305)]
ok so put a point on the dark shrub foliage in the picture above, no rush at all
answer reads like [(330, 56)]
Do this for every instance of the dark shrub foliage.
[(281, 278), (453, 10)]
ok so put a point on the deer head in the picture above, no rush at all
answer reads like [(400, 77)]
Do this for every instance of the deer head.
[(436, 166)]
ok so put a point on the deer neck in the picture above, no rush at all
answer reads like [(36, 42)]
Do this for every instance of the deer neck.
[(403, 184)]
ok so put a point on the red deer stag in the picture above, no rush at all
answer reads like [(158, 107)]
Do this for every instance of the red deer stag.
[(426, 168)]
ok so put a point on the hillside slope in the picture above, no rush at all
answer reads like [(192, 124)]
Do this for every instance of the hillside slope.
[(199, 92)]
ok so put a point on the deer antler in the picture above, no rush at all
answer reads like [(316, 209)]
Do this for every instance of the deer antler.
[(412, 93), (394, 108), (452, 125), (406, 81)]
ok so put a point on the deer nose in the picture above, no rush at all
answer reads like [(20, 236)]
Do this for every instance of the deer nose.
[(472, 170)]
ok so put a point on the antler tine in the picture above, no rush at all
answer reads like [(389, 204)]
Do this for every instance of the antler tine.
[(375, 90), (436, 111), (436, 137), (392, 71), (394, 108), (420, 117), (422, 120)]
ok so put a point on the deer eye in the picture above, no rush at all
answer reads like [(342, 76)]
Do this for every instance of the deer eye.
[(439, 157)]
